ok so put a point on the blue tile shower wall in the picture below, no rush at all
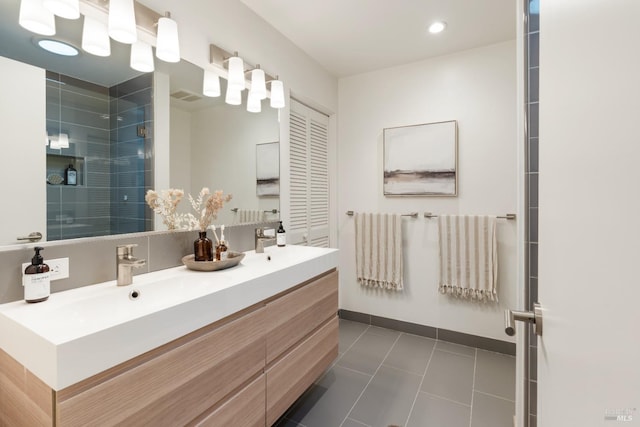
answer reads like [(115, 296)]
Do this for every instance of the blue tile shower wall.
[(80, 110), (131, 150)]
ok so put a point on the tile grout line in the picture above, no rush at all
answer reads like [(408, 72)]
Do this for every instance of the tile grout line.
[(453, 352), (371, 379), (424, 374), (445, 398), (473, 386), (495, 396)]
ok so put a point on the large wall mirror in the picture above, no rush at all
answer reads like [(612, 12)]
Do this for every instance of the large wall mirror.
[(103, 126)]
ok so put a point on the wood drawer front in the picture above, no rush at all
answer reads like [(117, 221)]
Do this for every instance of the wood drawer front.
[(293, 374), (246, 408), (293, 316), (24, 399), (175, 387)]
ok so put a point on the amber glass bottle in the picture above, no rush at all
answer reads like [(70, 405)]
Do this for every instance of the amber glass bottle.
[(203, 248)]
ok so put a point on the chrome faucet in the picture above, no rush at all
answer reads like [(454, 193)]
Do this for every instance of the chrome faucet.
[(261, 238), (125, 262)]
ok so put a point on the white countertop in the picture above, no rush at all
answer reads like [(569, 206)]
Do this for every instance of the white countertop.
[(78, 333)]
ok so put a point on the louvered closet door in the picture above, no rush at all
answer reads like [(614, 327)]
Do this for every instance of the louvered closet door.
[(309, 198)]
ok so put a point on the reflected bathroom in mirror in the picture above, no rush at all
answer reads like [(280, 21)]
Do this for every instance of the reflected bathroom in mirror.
[(101, 122)]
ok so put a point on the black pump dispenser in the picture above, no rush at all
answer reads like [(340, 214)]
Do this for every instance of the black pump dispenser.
[(37, 258)]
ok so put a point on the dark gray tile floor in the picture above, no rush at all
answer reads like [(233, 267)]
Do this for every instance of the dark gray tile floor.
[(387, 378)]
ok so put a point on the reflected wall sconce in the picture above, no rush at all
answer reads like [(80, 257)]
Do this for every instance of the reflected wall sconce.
[(233, 96), (258, 88), (236, 72), (168, 45), (236, 68), (277, 93), (141, 57), (254, 103), (59, 141), (95, 37), (36, 18), (211, 84), (122, 21), (69, 9)]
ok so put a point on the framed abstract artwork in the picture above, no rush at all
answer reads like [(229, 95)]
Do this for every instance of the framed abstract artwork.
[(421, 160), (268, 169)]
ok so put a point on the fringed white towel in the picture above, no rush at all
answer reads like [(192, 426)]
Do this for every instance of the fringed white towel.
[(379, 250), (468, 256), (244, 216)]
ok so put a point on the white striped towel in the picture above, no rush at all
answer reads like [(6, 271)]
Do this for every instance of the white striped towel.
[(379, 250), (468, 256), (244, 216)]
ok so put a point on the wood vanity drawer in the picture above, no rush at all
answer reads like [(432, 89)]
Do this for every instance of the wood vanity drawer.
[(173, 386), (293, 316), (290, 376), (246, 408)]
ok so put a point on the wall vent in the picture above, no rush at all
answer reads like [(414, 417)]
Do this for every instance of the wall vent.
[(185, 95)]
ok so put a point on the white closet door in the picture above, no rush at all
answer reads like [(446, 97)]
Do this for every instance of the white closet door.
[(309, 171)]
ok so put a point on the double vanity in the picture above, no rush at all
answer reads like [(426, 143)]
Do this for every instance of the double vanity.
[(233, 347)]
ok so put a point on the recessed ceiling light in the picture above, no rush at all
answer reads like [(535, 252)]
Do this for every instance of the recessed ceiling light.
[(58, 47), (437, 27)]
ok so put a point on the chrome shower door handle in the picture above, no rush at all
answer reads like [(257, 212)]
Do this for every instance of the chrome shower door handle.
[(32, 237), (535, 317)]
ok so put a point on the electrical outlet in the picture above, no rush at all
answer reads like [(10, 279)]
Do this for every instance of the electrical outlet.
[(58, 268)]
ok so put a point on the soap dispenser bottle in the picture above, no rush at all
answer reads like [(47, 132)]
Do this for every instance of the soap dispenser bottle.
[(281, 236), (71, 176), (36, 279), (221, 248)]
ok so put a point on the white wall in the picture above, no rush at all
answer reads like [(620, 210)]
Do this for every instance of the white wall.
[(221, 133), (180, 166), (478, 89)]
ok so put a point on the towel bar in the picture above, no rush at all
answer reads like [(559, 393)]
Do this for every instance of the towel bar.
[(412, 214), (506, 216)]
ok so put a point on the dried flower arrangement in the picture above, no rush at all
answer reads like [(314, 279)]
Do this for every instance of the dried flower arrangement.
[(165, 204), (206, 207)]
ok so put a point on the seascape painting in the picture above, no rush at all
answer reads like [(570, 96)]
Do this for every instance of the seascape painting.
[(421, 160), (268, 169)]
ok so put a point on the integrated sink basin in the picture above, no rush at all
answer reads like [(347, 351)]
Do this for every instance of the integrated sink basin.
[(84, 331)]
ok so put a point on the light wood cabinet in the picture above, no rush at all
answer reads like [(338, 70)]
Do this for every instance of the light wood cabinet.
[(246, 408), (244, 370), (290, 376)]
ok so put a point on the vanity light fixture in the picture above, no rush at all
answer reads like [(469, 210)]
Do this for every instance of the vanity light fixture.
[(236, 73), (95, 37), (437, 27), (141, 57), (69, 9), (233, 96), (254, 103), (277, 94), (211, 84), (58, 47), (258, 86), (122, 21), (36, 18), (168, 45), (236, 81)]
